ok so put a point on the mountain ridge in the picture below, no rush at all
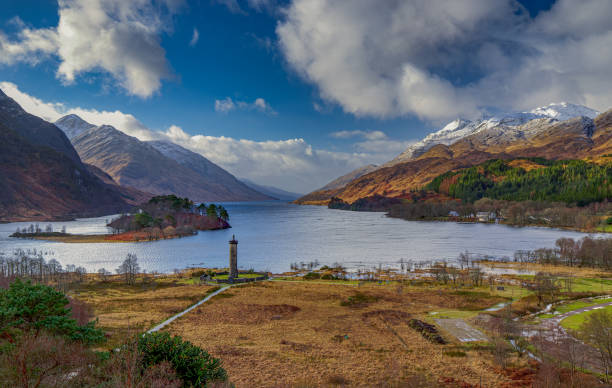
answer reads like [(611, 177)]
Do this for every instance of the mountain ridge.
[(156, 167), (579, 137)]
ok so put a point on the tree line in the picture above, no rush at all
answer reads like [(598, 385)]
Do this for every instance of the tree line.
[(586, 252), (568, 181)]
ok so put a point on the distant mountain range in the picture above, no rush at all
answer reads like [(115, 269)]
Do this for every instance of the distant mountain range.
[(42, 176), (157, 167), (556, 131), (272, 191)]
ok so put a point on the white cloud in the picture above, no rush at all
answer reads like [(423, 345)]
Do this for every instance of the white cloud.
[(370, 135), (224, 106), (195, 37), (442, 59), (116, 37), (259, 104), (376, 142), (291, 164), (231, 5)]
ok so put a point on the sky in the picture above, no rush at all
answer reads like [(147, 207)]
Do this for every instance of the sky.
[(295, 93)]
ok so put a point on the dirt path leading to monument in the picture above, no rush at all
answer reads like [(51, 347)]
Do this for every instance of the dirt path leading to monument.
[(174, 317)]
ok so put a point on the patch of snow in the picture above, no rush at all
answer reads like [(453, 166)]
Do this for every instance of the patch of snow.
[(460, 128)]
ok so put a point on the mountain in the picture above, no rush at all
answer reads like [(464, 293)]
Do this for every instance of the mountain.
[(222, 182), (73, 125), (33, 129), (461, 144), (459, 128), (155, 167), (344, 179), (41, 175), (272, 191), (331, 189)]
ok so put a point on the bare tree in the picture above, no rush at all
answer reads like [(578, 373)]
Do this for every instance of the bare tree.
[(597, 330), (129, 268)]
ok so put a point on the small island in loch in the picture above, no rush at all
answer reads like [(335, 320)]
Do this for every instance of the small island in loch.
[(162, 217)]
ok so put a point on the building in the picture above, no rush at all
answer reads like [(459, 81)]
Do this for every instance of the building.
[(486, 216), (233, 258)]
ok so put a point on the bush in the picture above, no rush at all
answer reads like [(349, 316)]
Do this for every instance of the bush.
[(358, 300), (192, 364), (609, 221), (25, 306), (312, 275)]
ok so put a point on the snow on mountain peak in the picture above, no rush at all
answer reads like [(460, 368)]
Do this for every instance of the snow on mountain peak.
[(459, 128), (73, 125), (564, 111)]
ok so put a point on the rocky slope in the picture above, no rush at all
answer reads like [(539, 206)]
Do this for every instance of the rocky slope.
[(156, 167), (41, 175), (537, 133)]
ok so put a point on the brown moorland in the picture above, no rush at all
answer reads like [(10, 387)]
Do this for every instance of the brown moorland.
[(124, 310), (311, 334)]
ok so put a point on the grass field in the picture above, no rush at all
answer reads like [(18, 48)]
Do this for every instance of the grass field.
[(125, 310), (278, 333), (575, 321), (240, 275)]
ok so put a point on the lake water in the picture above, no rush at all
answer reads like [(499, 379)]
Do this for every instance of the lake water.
[(272, 235)]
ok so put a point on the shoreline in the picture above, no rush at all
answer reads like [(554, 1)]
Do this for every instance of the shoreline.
[(95, 238)]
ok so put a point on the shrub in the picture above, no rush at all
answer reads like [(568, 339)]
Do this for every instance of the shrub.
[(609, 221), (312, 275), (192, 364), (25, 306), (455, 353), (358, 300)]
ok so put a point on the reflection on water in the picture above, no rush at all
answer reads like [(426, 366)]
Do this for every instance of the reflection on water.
[(272, 235)]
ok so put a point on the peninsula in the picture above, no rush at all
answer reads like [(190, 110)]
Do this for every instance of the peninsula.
[(162, 217)]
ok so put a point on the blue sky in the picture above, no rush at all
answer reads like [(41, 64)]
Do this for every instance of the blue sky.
[(310, 65)]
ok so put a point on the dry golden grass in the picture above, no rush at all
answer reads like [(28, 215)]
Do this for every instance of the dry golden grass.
[(298, 334), (124, 310), (554, 269)]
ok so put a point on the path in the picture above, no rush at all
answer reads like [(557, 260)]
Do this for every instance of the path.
[(172, 318), (551, 337), (461, 330)]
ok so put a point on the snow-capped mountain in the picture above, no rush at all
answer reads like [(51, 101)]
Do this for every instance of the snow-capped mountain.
[(459, 129), (73, 125)]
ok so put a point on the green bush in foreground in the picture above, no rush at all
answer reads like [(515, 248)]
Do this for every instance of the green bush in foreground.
[(192, 364), (28, 307)]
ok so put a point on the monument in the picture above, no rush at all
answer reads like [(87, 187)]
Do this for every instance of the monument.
[(233, 258)]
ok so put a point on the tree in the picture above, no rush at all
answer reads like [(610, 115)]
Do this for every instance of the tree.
[(597, 330), (104, 274), (27, 307), (223, 214), (211, 211), (129, 268), (544, 285)]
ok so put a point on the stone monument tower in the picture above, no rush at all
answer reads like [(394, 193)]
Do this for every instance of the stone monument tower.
[(233, 258)]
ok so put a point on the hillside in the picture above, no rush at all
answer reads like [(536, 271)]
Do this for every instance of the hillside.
[(154, 167), (574, 138), (224, 184), (33, 129), (569, 181), (40, 183)]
